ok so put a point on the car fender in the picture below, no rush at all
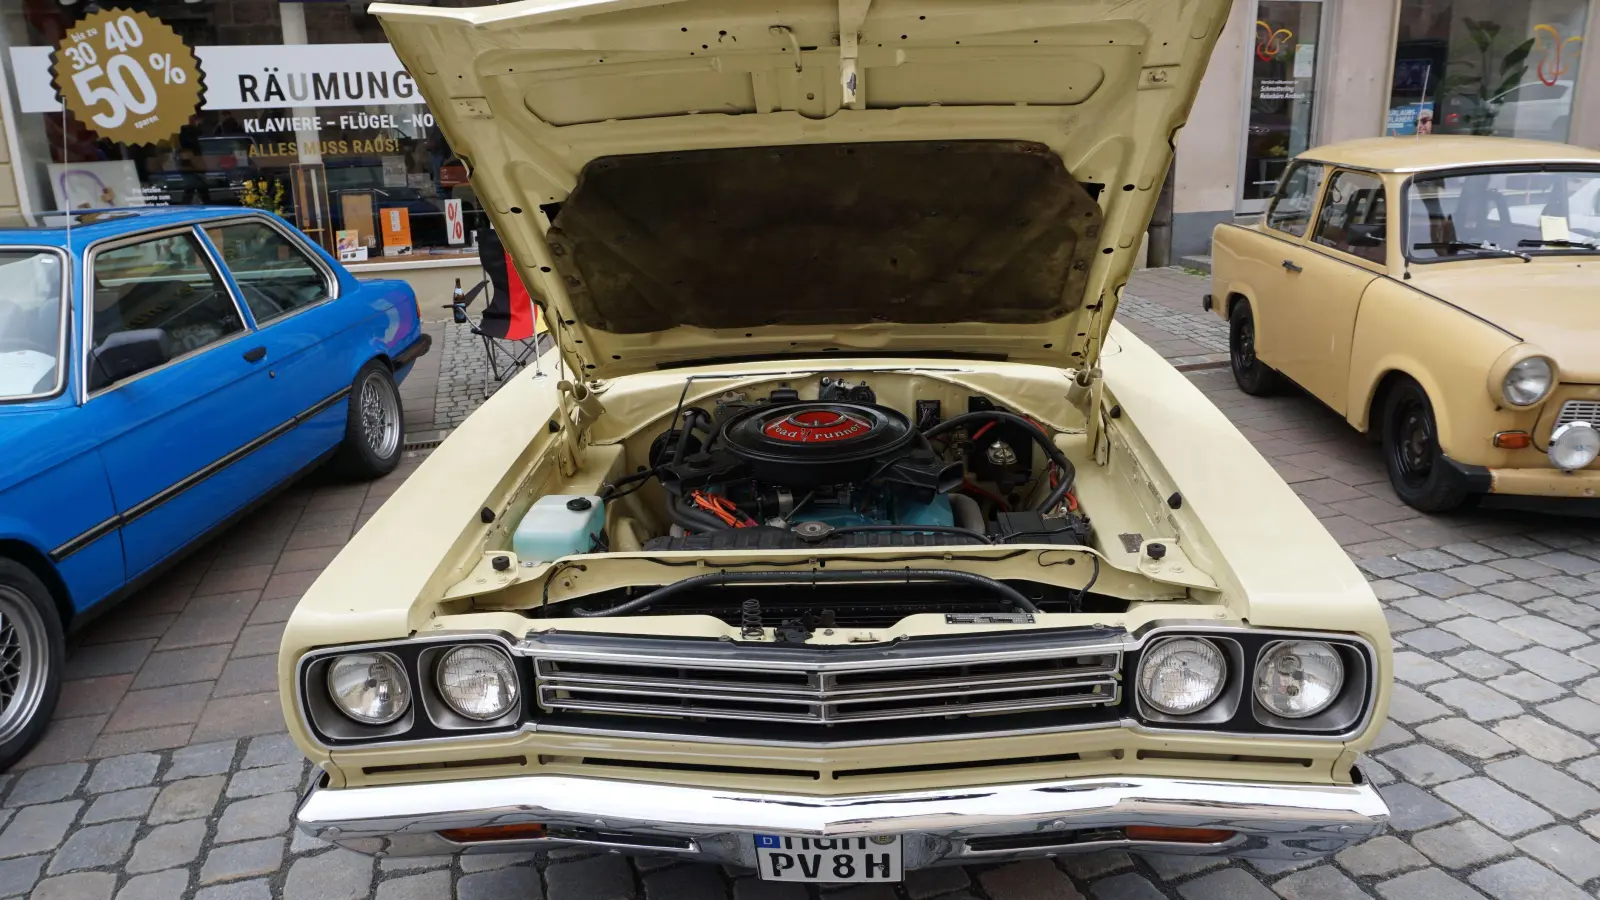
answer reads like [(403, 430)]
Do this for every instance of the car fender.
[(1400, 330), (397, 322)]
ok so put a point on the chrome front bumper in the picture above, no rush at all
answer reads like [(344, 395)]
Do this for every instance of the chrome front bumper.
[(956, 825)]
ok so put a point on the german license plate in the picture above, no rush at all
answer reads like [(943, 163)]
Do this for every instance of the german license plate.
[(783, 857)]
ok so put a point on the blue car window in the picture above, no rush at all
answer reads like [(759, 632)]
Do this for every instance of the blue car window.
[(155, 301), (30, 323), (275, 276)]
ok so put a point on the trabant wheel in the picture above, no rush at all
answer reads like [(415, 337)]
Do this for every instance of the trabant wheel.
[(1411, 451), (1253, 376), (373, 431), (32, 653)]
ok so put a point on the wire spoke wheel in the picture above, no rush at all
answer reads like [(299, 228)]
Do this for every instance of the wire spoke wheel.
[(380, 416), (24, 654)]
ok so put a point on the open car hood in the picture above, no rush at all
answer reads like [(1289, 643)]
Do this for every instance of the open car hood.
[(715, 179)]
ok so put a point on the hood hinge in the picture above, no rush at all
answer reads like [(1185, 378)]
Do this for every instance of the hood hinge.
[(852, 15)]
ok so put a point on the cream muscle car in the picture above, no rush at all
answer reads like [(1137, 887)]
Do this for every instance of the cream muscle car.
[(1461, 331), (852, 535)]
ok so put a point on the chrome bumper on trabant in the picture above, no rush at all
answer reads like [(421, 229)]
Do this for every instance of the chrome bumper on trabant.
[(955, 825)]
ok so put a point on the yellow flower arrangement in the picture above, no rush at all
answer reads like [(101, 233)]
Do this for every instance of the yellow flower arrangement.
[(262, 193)]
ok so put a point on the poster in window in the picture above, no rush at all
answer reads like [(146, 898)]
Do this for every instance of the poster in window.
[(394, 171), (455, 226), (96, 185), (396, 230), (350, 247), (127, 76)]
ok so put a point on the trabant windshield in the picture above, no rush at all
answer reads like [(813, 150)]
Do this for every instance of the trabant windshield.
[(30, 324), (1503, 212)]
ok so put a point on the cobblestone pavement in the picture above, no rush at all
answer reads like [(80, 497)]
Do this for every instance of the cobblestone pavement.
[(470, 382), (166, 774)]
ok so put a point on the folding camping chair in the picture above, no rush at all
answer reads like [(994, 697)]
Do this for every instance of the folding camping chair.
[(509, 324)]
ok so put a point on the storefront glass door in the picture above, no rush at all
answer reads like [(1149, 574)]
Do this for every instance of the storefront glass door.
[(1283, 92)]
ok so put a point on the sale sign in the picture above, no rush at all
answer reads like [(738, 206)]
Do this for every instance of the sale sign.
[(455, 228), (127, 76)]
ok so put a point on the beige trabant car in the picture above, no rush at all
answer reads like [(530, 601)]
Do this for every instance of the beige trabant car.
[(1440, 294), (843, 533)]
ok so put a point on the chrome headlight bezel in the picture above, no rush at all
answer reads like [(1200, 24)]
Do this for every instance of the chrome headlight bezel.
[(1528, 382), (1237, 712), (428, 717), (1578, 437)]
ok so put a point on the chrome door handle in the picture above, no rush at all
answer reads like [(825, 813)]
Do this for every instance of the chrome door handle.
[(1292, 266), (255, 354)]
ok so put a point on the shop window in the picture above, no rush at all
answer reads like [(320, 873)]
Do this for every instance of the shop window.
[(1290, 209), (1355, 217), (307, 114), (154, 301), (1503, 69), (274, 274)]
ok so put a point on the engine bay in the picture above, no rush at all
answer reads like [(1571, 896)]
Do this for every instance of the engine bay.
[(842, 470)]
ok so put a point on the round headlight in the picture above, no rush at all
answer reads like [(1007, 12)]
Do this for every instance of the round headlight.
[(369, 687), (1296, 679), (478, 682), (1574, 445), (1528, 381), (1180, 676)]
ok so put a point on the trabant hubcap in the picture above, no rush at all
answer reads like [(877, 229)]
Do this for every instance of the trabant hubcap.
[(1414, 446)]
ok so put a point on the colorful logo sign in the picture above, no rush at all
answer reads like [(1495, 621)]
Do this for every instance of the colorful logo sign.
[(127, 76), (1271, 42), (1555, 59)]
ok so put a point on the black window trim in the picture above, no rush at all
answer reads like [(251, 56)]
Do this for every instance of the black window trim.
[(93, 252), (64, 347), (330, 280), (1478, 169)]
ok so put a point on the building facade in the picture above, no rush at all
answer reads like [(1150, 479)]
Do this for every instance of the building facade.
[(307, 111), (1288, 75)]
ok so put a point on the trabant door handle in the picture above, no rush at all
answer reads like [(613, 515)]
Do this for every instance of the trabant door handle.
[(1292, 266), (255, 354)]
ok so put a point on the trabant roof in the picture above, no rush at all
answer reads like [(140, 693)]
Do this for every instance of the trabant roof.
[(92, 224), (1444, 151)]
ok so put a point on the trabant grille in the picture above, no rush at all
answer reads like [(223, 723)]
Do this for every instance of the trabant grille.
[(1579, 411), (940, 686)]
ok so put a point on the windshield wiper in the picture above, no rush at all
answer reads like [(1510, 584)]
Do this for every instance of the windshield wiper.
[(1576, 245), (1464, 245)]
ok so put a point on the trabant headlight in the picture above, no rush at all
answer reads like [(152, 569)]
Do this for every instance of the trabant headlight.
[(1180, 676), (1574, 445), (369, 687), (1529, 381), (1296, 679), (478, 682)]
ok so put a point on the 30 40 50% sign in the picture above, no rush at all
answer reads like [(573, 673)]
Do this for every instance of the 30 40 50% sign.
[(127, 76)]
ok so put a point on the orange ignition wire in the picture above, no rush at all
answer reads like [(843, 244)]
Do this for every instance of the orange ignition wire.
[(984, 427)]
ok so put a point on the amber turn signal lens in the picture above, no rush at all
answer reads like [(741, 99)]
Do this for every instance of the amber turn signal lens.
[(1168, 835), (530, 832), (1513, 440)]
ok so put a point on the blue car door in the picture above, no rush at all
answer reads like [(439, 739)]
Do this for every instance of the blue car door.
[(173, 376), (310, 333)]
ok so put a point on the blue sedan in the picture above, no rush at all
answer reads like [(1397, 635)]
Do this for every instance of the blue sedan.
[(162, 371)]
